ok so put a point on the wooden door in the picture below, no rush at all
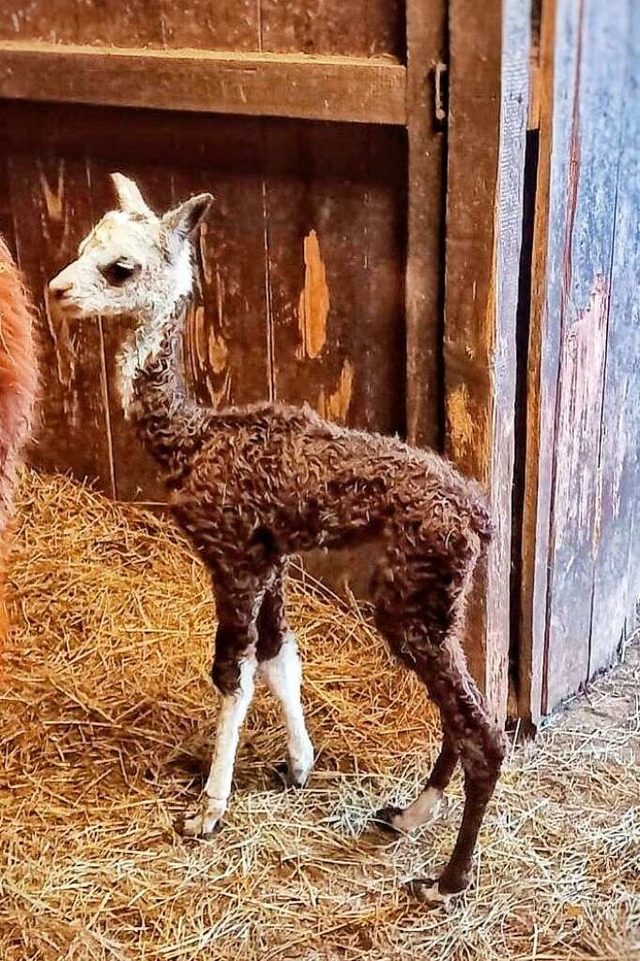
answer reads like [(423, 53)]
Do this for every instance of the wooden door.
[(581, 560)]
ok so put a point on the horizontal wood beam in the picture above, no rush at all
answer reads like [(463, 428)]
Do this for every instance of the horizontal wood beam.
[(349, 89)]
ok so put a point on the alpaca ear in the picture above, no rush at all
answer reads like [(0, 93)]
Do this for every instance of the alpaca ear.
[(129, 197), (184, 219)]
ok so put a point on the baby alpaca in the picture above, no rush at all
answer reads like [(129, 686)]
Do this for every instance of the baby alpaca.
[(252, 486)]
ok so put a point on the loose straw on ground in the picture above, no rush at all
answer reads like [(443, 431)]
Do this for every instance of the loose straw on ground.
[(107, 723)]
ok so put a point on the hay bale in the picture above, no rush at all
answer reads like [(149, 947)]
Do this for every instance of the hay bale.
[(107, 721)]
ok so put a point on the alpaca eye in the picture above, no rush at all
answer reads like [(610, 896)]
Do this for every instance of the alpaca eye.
[(118, 272)]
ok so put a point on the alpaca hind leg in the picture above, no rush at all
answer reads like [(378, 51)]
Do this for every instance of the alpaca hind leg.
[(420, 615), (280, 667), (233, 673), (481, 744)]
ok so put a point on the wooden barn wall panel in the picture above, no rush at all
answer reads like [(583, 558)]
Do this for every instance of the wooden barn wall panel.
[(335, 302), (424, 282), (50, 200), (487, 129), (617, 518), (362, 28), (590, 62), (577, 567), (540, 388), (302, 257), (204, 25), (583, 275), (134, 23)]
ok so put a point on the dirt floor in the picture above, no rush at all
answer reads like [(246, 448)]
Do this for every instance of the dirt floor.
[(107, 719)]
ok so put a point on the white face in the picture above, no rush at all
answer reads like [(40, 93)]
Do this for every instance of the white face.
[(132, 261)]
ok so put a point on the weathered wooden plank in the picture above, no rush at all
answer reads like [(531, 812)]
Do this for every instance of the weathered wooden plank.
[(334, 219), (136, 23), (52, 21), (487, 127), (531, 624), (617, 516), (203, 25), (50, 202), (424, 287), (228, 342), (590, 42), (361, 28), (283, 85)]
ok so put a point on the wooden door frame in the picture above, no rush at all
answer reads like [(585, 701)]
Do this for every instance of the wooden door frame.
[(489, 49)]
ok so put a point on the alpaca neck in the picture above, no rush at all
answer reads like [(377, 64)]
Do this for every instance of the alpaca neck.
[(154, 397)]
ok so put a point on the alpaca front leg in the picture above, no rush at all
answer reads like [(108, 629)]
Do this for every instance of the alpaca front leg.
[(283, 676), (425, 807), (213, 803)]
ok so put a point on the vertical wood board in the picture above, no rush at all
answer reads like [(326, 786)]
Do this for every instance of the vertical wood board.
[(335, 240), (616, 525), (51, 206), (487, 127), (579, 278), (424, 284)]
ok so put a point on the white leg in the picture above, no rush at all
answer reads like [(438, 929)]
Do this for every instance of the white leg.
[(283, 676), (215, 797)]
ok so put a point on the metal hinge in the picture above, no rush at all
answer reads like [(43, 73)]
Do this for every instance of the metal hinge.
[(441, 92)]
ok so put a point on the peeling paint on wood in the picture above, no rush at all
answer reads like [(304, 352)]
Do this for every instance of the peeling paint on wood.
[(460, 421), (335, 405), (313, 306)]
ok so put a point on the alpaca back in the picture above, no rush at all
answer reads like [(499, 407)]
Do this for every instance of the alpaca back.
[(18, 385)]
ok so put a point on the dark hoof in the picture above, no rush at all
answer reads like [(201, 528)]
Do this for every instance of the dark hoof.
[(428, 891), (383, 819), (286, 777), (179, 827)]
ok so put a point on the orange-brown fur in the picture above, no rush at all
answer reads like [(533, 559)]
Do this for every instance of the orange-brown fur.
[(18, 385)]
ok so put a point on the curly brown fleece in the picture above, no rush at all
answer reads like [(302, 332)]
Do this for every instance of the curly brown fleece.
[(251, 486)]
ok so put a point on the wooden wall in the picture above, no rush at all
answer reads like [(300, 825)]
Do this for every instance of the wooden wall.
[(302, 266), (581, 575), (335, 157), (361, 28)]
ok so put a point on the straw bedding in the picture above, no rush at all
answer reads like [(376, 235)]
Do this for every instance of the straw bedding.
[(107, 719)]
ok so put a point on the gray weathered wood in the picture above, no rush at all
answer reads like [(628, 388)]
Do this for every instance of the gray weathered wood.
[(617, 522), (580, 143)]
